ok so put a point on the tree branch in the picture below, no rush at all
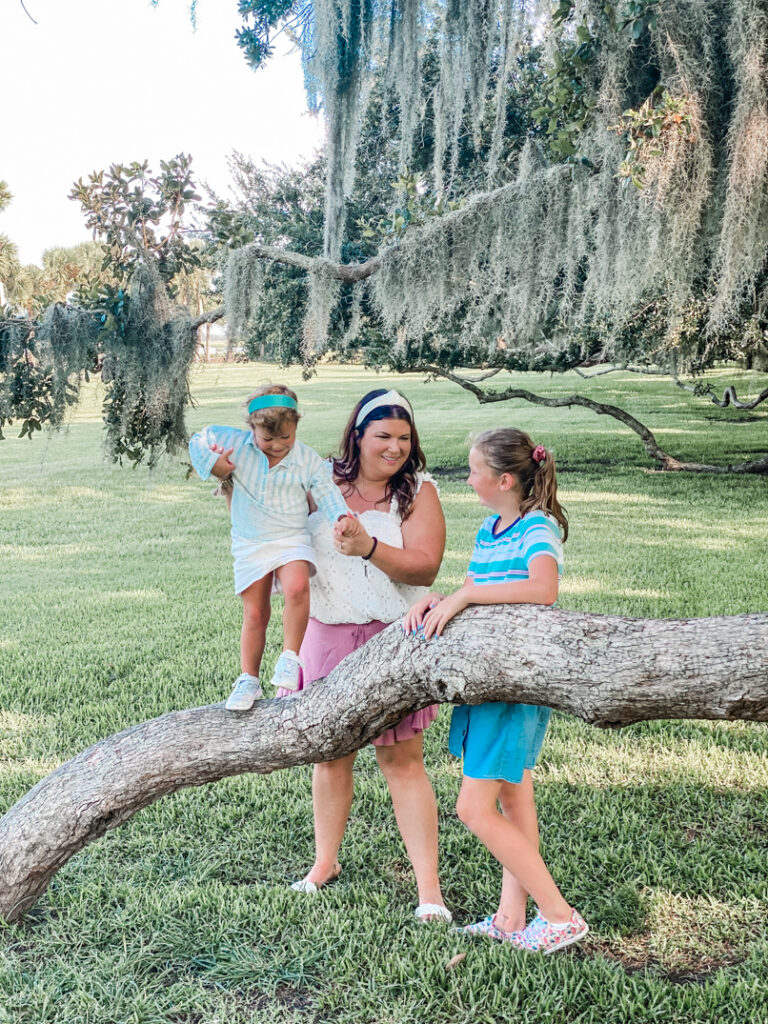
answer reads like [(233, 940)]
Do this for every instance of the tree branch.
[(729, 396), (208, 318), (650, 443), (607, 670), (621, 369), (350, 273)]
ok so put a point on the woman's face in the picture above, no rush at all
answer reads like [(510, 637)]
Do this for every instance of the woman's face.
[(384, 448)]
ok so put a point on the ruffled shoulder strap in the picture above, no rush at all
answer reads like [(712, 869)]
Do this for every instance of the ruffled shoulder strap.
[(421, 478), (425, 478)]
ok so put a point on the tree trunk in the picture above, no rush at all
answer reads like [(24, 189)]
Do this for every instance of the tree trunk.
[(607, 670)]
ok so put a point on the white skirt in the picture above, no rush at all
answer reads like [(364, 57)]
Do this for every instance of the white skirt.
[(254, 559)]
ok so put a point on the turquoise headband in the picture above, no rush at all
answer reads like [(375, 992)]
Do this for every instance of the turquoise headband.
[(269, 401)]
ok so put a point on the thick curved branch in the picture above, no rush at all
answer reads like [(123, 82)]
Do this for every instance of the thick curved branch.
[(350, 273), (607, 670), (650, 443), (208, 318)]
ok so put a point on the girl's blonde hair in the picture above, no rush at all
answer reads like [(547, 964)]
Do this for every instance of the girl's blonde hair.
[(507, 450), (271, 420)]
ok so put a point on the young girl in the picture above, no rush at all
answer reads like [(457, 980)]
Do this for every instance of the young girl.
[(271, 473), (517, 559)]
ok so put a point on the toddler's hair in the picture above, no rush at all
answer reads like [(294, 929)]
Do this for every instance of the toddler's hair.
[(271, 420), (508, 450)]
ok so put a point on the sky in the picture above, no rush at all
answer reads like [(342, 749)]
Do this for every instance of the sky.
[(97, 82)]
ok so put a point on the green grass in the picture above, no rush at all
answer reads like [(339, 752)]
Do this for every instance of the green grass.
[(117, 605)]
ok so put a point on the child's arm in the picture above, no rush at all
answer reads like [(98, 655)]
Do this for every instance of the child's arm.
[(327, 495), (208, 451), (540, 588), (223, 466)]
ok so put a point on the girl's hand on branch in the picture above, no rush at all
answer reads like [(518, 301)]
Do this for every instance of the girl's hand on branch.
[(415, 614), (223, 466), (436, 619)]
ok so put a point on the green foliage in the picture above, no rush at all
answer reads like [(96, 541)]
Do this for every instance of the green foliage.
[(41, 366), (138, 214), (123, 324), (417, 206), (263, 19), (651, 131)]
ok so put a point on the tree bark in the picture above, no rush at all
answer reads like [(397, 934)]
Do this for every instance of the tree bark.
[(607, 670)]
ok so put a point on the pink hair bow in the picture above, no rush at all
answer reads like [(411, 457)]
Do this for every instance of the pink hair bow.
[(539, 453)]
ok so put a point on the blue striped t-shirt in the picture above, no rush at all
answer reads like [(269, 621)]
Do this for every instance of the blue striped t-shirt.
[(502, 557)]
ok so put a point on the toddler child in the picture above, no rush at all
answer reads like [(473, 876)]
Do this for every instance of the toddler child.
[(271, 474), (517, 559)]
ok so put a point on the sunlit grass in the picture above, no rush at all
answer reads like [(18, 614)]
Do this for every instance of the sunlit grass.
[(117, 605)]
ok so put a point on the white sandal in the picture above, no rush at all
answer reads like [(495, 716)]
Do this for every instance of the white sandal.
[(304, 885), (426, 913), (309, 888)]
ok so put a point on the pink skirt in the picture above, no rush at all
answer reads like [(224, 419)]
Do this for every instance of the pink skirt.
[(324, 647)]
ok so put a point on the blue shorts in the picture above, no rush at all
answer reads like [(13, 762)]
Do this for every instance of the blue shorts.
[(498, 740)]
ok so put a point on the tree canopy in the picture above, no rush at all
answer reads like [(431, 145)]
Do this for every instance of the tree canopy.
[(638, 208), (509, 185)]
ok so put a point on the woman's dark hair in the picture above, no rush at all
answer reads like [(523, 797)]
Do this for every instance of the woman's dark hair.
[(402, 486)]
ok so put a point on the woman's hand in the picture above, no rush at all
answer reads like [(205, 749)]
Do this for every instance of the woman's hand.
[(351, 538), (223, 466), (436, 619), (415, 614)]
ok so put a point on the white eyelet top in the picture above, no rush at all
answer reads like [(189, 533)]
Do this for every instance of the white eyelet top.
[(349, 589)]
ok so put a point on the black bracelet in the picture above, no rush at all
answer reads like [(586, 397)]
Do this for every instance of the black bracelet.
[(369, 556)]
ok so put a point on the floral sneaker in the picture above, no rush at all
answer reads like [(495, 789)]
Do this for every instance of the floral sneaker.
[(487, 927), (541, 936)]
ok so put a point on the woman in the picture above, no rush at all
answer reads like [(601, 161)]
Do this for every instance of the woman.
[(364, 582)]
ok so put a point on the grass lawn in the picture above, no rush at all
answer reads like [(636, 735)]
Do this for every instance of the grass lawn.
[(117, 606)]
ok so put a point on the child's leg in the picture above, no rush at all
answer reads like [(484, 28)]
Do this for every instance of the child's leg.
[(518, 806), (294, 579), (510, 846), (256, 609)]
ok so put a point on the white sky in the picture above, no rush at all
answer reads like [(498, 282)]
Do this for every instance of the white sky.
[(97, 82)]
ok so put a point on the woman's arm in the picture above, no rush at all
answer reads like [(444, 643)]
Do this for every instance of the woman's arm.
[(418, 561), (540, 588)]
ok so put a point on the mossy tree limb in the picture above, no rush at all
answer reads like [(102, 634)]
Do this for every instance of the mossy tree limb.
[(651, 445), (607, 670)]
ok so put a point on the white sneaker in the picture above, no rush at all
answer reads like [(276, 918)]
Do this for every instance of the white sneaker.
[(286, 675), (247, 690)]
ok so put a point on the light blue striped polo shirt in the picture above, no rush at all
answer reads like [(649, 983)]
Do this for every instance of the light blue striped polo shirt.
[(268, 503), (502, 557)]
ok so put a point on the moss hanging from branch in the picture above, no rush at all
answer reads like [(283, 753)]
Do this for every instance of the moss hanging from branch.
[(744, 233), (324, 291), (243, 290), (145, 368)]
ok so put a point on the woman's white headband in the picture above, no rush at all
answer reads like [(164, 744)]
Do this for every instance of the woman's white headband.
[(389, 398)]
